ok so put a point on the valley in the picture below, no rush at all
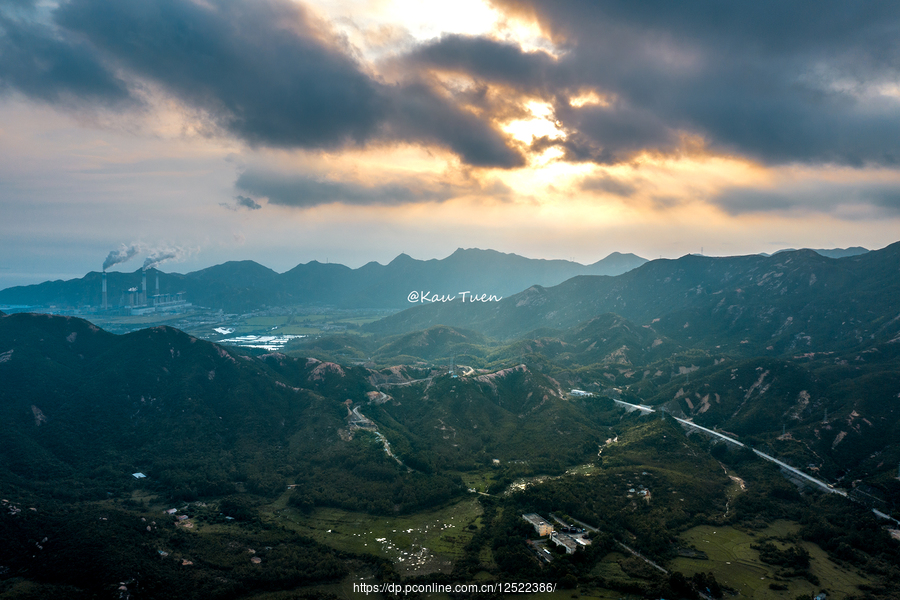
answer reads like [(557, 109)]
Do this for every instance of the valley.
[(383, 446), (474, 300)]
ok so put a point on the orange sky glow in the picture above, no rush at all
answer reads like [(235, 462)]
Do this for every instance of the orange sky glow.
[(508, 125)]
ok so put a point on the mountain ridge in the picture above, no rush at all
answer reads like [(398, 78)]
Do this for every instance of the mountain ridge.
[(779, 301), (238, 286)]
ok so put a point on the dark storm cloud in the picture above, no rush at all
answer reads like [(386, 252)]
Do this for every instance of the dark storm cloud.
[(51, 65), (261, 67), (779, 82), (265, 70), (776, 81), (421, 114), (486, 59), (306, 191), (612, 134)]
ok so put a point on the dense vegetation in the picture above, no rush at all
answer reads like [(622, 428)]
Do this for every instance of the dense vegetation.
[(395, 423), (83, 410), (90, 551)]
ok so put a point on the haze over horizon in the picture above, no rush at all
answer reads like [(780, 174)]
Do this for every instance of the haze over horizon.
[(125, 259), (351, 131)]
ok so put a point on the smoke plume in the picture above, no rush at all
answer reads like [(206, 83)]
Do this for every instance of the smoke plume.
[(159, 256), (123, 254)]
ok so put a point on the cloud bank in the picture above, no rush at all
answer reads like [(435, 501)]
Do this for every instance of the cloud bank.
[(813, 82), (772, 83)]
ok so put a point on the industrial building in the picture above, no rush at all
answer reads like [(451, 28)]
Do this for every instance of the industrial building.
[(564, 540), (137, 302), (541, 526), (570, 538)]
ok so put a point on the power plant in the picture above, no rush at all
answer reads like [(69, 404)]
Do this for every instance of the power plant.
[(136, 301)]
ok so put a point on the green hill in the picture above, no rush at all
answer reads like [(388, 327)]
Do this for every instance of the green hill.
[(221, 436), (83, 409), (793, 301)]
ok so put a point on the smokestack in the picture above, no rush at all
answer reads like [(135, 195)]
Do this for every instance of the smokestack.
[(143, 287), (105, 303), (157, 283)]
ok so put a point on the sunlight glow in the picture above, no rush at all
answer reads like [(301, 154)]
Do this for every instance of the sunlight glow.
[(426, 20), (542, 124), (382, 28), (589, 97)]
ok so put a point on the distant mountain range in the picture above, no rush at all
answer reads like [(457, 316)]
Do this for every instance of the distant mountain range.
[(246, 285), (831, 253), (794, 301)]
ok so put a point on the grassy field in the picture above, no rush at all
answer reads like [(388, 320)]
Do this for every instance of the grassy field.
[(418, 544), (480, 481), (609, 567), (586, 469), (738, 566)]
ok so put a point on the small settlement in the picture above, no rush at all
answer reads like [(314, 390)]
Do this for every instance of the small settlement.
[(568, 537)]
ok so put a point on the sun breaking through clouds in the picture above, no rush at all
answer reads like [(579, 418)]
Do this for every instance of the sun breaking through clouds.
[(223, 120)]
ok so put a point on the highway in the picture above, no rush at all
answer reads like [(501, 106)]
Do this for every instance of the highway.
[(812, 480), (801, 474)]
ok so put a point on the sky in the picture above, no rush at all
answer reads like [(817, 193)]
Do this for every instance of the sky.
[(186, 133)]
